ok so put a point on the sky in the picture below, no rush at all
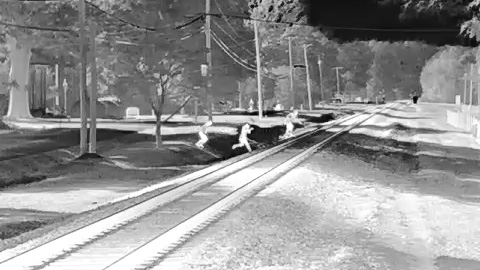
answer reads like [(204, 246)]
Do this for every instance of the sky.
[(369, 14)]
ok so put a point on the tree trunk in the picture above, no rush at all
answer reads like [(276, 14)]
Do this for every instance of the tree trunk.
[(18, 107), (158, 116), (158, 130)]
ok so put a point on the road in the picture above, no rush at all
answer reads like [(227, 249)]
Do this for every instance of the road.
[(339, 213)]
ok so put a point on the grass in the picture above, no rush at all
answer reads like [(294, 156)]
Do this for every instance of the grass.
[(13, 229)]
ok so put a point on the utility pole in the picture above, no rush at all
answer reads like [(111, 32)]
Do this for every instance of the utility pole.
[(290, 59), (478, 87), (208, 38), (93, 93), (259, 72), (465, 80), (309, 88), (83, 80), (338, 79), (471, 87), (321, 77)]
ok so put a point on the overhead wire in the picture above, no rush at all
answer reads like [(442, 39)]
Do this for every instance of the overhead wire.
[(227, 52), (231, 53), (226, 20), (232, 38), (234, 56)]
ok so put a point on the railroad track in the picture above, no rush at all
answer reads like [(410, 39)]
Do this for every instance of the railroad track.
[(140, 236)]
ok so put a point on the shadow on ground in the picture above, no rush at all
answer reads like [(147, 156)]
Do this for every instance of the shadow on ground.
[(400, 117), (23, 143), (432, 169), (14, 221), (3, 126), (398, 126)]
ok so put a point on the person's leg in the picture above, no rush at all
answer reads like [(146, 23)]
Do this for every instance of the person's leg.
[(199, 142), (203, 140), (249, 148), (289, 132), (235, 146)]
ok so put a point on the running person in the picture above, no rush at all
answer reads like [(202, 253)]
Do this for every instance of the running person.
[(288, 122), (243, 138), (203, 134)]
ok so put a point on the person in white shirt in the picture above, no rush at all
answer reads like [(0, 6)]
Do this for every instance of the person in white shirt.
[(288, 122), (203, 134), (243, 138)]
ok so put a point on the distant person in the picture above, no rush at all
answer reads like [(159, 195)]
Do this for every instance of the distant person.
[(414, 97), (203, 134), (288, 122), (243, 138)]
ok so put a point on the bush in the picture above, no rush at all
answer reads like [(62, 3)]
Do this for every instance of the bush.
[(441, 75)]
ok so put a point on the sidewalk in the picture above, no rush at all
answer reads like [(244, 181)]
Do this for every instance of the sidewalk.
[(426, 125), (439, 155)]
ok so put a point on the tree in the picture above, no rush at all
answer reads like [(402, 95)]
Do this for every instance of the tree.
[(166, 76), (396, 67), (43, 26), (356, 58), (247, 89), (441, 76)]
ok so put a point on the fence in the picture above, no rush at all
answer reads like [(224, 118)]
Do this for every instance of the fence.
[(465, 117)]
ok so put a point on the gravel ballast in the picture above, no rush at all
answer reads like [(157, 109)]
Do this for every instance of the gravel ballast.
[(334, 212)]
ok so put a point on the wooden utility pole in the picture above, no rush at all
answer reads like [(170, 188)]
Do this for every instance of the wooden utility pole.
[(465, 80), (309, 87), (240, 105), (83, 80), (60, 83), (65, 96), (208, 44), (478, 88), (471, 87), (259, 71), (290, 59), (338, 79), (321, 77), (93, 93)]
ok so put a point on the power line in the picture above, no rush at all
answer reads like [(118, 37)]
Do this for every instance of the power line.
[(232, 38), (225, 19), (231, 54), (40, 28), (120, 19), (234, 56)]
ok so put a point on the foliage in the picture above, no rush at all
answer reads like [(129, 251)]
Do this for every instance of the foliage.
[(440, 76), (355, 58), (438, 8), (247, 87), (396, 67)]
